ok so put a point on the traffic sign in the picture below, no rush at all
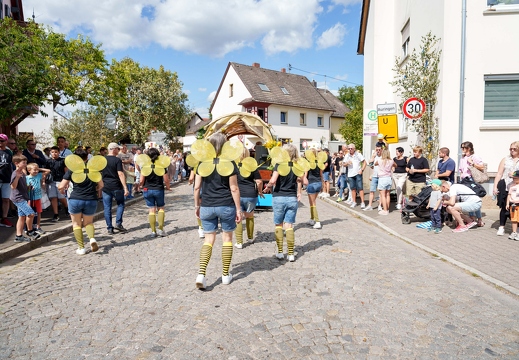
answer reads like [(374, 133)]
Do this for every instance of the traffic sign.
[(413, 108), (388, 125), (372, 115), (386, 109), (305, 144), (369, 122)]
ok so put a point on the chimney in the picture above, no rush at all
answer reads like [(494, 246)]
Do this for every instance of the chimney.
[(256, 65), (314, 82), (283, 70)]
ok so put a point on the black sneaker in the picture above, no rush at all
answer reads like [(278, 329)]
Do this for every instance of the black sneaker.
[(33, 235), (111, 231), (21, 238), (55, 218), (120, 228)]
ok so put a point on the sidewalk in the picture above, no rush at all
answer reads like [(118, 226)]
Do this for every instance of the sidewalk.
[(479, 251)]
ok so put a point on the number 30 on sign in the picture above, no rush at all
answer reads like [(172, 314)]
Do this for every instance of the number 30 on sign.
[(413, 108)]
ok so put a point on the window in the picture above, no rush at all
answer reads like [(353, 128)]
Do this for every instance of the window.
[(320, 121), (283, 119), (502, 2), (285, 91), (405, 39), (302, 119), (263, 87), (231, 90), (501, 97)]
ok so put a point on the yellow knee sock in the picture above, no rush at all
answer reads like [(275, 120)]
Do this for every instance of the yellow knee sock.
[(312, 208), (161, 216), (290, 240), (78, 234), (238, 232), (199, 223), (151, 219), (249, 224), (279, 238), (205, 256), (316, 217), (226, 257), (90, 230)]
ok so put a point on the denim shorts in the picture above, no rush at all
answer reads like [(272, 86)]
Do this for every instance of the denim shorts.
[(314, 188), (24, 209), (384, 183), (154, 198), (285, 209), (85, 207), (53, 192), (326, 176), (5, 189), (356, 182), (248, 204), (211, 215), (373, 185)]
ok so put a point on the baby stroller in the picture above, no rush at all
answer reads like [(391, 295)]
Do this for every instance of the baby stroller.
[(418, 206)]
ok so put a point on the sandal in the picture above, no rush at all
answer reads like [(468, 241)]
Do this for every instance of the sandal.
[(481, 224)]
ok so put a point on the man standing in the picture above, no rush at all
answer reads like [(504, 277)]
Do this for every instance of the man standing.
[(114, 187), (356, 165), (6, 170), (417, 168), (446, 166), (34, 155), (63, 150), (126, 157)]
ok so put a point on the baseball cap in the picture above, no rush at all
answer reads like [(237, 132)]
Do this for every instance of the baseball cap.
[(112, 146), (380, 136), (516, 173), (437, 182), (3, 137)]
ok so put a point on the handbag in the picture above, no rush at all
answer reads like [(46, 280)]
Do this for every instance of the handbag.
[(478, 175)]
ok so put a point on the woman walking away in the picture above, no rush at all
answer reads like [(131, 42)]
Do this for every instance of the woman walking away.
[(286, 182), (503, 181), (251, 186), (153, 179), (399, 175), (312, 179), (385, 168), (217, 181), (82, 203)]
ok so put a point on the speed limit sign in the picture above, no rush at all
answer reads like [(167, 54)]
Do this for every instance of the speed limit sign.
[(413, 108)]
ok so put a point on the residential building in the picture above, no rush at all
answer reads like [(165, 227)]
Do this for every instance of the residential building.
[(483, 105), (195, 123), (12, 9)]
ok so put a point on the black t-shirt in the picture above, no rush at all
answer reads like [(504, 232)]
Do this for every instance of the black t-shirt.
[(216, 190), (400, 165), (154, 182), (285, 185), (248, 185), (57, 168), (82, 191), (419, 164), (338, 159), (6, 167), (110, 174), (329, 162), (41, 158), (314, 175)]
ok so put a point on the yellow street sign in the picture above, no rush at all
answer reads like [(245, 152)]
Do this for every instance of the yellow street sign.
[(388, 126)]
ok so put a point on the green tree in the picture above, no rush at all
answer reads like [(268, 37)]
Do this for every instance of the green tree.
[(352, 127), (419, 76)]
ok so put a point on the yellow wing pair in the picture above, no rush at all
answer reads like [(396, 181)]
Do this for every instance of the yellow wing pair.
[(281, 157), (318, 160), (80, 170), (204, 160), (247, 166), (158, 167)]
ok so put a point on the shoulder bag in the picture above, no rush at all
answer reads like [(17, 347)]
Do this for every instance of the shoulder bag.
[(478, 175)]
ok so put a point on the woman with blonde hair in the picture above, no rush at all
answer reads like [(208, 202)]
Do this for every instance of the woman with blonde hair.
[(503, 181), (385, 169)]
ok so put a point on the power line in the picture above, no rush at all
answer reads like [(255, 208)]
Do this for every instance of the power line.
[(290, 67)]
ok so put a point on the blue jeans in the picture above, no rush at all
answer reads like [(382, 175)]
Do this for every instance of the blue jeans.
[(343, 183), (108, 195)]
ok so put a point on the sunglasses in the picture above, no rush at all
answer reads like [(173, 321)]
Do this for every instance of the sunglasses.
[(513, 149)]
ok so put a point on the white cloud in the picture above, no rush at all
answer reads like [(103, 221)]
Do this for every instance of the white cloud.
[(332, 37), (346, 3), (211, 96), (202, 89)]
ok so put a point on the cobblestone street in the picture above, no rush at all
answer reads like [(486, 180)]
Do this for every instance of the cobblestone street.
[(353, 292)]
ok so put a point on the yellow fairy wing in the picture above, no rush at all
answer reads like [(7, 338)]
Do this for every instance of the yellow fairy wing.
[(231, 151), (309, 154), (279, 155), (203, 150), (146, 170), (162, 161), (206, 168), (74, 163), (283, 169), (247, 166), (225, 167), (143, 160), (300, 167), (159, 171), (191, 161), (94, 176), (79, 176), (322, 156), (96, 163)]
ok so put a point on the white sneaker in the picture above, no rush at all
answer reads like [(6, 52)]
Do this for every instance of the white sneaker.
[(362, 205), (251, 241), (153, 234), (501, 231), (326, 195), (280, 256), (93, 245), (367, 208), (81, 251), (238, 246), (380, 208), (398, 206), (317, 225), (161, 233), (513, 236), (226, 280), (310, 222), (200, 281), (291, 258), (201, 234), (353, 205)]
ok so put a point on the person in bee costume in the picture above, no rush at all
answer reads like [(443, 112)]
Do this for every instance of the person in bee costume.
[(216, 181), (251, 186), (82, 204), (286, 182), (313, 181), (153, 178)]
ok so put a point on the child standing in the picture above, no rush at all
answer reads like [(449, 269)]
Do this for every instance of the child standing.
[(130, 180), (512, 205), (57, 167), (35, 182), (20, 197), (434, 206)]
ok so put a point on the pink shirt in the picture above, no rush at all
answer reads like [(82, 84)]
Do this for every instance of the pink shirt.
[(385, 168), (464, 165)]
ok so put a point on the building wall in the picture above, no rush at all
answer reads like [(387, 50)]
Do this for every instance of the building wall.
[(223, 103)]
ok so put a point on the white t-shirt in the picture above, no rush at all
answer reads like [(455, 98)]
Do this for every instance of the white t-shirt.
[(356, 159), (464, 192), (376, 160)]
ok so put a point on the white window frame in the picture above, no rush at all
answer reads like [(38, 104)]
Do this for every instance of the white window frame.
[(302, 119), (406, 37), (231, 90), (263, 87), (500, 122), (281, 118), (285, 91), (322, 121)]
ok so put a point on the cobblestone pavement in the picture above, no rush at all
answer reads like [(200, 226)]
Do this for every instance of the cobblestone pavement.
[(353, 292)]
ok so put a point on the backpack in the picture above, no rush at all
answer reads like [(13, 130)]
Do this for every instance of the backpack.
[(477, 188)]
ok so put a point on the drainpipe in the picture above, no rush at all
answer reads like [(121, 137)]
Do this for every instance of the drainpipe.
[(462, 74)]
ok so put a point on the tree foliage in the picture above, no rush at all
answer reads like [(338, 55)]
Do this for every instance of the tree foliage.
[(419, 77), (352, 127)]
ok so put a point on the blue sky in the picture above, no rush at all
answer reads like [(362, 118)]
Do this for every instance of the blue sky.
[(198, 38)]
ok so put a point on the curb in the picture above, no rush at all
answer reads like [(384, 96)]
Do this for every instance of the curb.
[(498, 283)]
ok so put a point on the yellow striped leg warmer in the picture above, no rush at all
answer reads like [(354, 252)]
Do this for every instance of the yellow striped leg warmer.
[(160, 218), (313, 210), (238, 232), (290, 240), (199, 223), (151, 219), (226, 257), (249, 224), (90, 230), (205, 256), (279, 238), (78, 234)]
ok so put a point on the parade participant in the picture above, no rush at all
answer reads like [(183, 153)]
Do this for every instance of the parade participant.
[(35, 182), (87, 180), (251, 186), (286, 183), (312, 179), (220, 200), (153, 179)]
